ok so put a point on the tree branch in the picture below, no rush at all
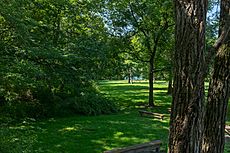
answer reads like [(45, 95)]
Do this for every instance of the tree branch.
[(211, 53), (167, 68), (134, 55), (136, 21), (222, 37)]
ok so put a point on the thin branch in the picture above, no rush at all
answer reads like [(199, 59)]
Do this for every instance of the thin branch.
[(136, 21), (222, 37), (167, 68), (138, 58), (135, 56)]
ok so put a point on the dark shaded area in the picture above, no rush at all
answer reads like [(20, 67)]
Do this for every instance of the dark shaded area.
[(104, 132)]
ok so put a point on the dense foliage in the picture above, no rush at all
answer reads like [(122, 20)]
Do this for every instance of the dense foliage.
[(50, 52)]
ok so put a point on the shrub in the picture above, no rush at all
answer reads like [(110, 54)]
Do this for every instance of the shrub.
[(44, 103), (91, 104)]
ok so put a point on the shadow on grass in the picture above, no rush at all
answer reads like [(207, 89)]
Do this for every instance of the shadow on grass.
[(128, 95), (104, 133), (86, 134), (95, 134)]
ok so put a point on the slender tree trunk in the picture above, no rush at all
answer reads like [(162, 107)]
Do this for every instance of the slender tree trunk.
[(151, 75), (188, 85), (130, 76), (170, 88), (219, 91), (129, 79)]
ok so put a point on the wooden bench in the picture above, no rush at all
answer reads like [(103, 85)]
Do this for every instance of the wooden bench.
[(227, 129), (155, 115), (150, 147)]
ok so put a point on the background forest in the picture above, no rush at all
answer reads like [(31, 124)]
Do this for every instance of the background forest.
[(52, 52), (66, 59)]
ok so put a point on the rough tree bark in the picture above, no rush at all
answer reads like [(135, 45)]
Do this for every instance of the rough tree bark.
[(219, 89), (188, 85)]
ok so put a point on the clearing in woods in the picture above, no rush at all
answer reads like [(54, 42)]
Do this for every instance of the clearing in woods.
[(95, 134)]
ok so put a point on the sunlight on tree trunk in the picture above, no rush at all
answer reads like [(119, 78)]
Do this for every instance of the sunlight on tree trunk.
[(188, 93)]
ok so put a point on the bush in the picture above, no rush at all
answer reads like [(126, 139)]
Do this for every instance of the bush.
[(58, 86), (91, 104), (19, 110), (44, 103)]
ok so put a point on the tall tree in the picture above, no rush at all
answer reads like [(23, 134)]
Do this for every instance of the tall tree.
[(188, 94), (219, 87), (148, 22), (50, 47)]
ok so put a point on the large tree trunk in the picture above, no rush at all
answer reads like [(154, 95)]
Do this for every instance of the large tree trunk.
[(188, 85), (218, 96), (151, 75), (219, 90)]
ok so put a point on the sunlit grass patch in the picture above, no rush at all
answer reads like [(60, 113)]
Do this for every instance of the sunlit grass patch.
[(95, 134)]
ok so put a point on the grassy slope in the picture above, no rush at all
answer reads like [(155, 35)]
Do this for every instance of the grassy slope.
[(95, 134)]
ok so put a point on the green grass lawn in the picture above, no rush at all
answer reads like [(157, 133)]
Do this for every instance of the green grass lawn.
[(94, 134)]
